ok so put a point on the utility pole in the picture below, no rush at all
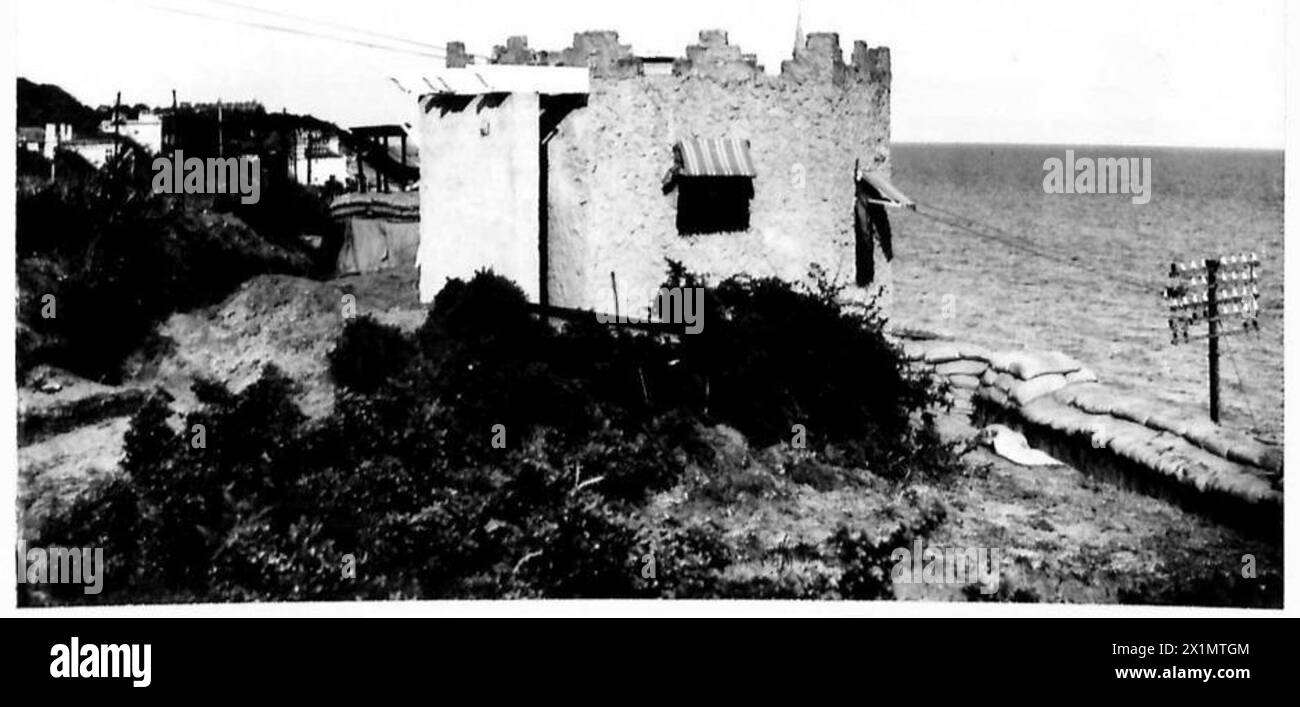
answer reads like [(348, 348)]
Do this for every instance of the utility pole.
[(117, 107), (1212, 309), (176, 119), (221, 142), (1221, 292)]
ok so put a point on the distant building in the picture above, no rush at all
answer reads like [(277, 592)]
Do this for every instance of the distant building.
[(317, 158), (32, 139), (55, 137), (96, 150), (379, 158), (232, 106), (146, 130), (44, 140)]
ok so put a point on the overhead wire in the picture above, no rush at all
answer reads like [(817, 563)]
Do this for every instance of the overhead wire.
[(332, 25), (294, 31), (993, 233), (424, 49), (1241, 385)]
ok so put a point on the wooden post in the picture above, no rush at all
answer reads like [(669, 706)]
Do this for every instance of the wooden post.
[(176, 117), (387, 186), (1211, 280), (117, 144), (613, 282), (361, 166)]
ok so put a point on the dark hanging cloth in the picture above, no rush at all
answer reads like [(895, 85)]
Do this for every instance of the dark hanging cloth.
[(870, 224)]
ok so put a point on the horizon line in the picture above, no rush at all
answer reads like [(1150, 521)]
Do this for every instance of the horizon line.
[(1039, 143)]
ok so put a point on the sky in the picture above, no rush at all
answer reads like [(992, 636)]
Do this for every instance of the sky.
[(1114, 72)]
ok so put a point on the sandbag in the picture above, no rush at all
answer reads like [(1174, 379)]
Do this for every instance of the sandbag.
[(992, 395), (1032, 364), (1006, 382), (1051, 413), (975, 352), (964, 381), (1083, 375), (1091, 397), (965, 367), (1025, 391), (942, 353), (1001, 361), (1131, 440), (1138, 410)]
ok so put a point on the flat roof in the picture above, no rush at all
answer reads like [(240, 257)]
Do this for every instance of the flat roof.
[(502, 78)]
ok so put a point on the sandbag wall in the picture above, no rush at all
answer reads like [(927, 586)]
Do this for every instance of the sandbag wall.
[(1151, 447)]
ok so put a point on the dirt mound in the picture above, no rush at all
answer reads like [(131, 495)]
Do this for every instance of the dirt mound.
[(291, 322), (71, 430)]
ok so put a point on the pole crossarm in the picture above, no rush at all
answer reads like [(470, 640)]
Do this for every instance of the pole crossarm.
[(1222, 293)]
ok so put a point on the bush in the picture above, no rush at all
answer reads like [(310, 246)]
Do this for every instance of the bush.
[(402, 481), (774, 356), (367, 354), (284, 212)]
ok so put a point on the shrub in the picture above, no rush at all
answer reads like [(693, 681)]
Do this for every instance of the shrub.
[(401, 481), (775, 356), (367, 354)]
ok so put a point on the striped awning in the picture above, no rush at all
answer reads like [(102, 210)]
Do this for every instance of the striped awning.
[(886, 188), (717, 157)]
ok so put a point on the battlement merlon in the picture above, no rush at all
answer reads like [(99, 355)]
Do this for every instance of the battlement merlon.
[(819, 61)]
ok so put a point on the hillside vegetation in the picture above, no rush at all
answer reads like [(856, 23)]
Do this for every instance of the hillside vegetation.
[(490, 455)]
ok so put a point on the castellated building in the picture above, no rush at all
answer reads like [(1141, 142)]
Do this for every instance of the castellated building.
[(580, 173)]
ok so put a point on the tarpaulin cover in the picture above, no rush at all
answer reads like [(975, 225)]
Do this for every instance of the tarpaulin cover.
[(372, 244), (380, 230)]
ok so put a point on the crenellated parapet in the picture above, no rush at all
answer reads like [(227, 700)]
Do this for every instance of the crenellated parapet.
[(819, 61)]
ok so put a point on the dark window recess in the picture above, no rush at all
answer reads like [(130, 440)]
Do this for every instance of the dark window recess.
[(713, 204)]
